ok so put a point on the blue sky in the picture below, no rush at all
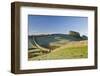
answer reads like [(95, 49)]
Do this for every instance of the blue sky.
[(41, 24)]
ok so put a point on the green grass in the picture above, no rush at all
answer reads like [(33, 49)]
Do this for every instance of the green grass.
[(65, 53)]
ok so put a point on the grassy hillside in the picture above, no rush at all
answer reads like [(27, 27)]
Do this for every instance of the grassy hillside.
[(71, 50)]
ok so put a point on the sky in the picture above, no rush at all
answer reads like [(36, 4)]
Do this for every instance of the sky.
[(42, 24)]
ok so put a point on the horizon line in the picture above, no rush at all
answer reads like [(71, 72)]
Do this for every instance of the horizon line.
[(53, 33)]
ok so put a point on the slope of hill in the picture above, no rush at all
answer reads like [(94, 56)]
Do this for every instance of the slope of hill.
[(47, 40), (74, 49), (40, 46)]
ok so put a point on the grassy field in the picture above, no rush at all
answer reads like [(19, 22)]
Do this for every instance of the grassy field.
[(71, 50)]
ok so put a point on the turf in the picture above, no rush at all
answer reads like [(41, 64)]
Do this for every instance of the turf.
[(73, 52)]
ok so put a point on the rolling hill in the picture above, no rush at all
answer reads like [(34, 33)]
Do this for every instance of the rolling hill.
[(43, 46), (51, 39)]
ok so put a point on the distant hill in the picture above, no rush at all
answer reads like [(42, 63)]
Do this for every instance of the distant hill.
[(53, 40)]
